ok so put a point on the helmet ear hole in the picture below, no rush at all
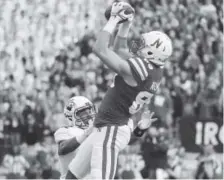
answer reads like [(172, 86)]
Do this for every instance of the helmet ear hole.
[(149, 53)]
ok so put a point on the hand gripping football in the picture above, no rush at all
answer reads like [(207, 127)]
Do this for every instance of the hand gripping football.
[(127, 11)]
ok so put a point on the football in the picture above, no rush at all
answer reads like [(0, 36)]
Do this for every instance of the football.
[(128, 10)]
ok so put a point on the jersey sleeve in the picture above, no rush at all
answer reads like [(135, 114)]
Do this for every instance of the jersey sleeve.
[(139, 69), (61, 134)]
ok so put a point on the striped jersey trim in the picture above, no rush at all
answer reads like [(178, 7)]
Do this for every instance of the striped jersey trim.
[(145, 72), (104, 159), (113, 156), (139, 67)]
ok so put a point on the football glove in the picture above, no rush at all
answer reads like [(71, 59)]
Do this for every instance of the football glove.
[(123, 11), (146, 120)]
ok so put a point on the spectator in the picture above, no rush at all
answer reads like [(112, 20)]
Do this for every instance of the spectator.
[(162, 105), (127, 173), (178, 103), (208, 165), (31, 132), (207, 106), (39, 114), (57, 118), (174, 166), (15, 163), (154, 150)]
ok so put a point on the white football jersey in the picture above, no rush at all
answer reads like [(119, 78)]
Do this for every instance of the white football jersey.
[(66, 133)]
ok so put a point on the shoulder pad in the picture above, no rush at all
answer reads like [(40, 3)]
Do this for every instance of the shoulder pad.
[(61, 134), (66, 133)]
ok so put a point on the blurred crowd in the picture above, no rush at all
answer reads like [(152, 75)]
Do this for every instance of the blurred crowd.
[(46, 57)]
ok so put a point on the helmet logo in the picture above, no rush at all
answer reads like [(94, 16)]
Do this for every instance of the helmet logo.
[(70, 105), (157, 43)]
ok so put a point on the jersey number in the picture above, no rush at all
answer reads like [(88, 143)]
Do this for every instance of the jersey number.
[(142, 98)]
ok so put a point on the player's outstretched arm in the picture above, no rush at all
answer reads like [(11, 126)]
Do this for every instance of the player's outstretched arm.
[(145, 122), (120, 44), (67, 144), (108, 56)]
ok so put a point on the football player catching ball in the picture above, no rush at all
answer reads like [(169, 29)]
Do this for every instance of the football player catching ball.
[(139, 74)]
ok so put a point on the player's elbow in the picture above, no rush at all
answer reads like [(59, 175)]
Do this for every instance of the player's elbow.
[(101, 52), (99, 48), (96, 49)]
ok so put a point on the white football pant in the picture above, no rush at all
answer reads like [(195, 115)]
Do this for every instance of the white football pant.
[(98, 154)]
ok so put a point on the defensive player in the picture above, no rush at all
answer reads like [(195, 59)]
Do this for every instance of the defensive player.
[(137, 80), (81, 112)]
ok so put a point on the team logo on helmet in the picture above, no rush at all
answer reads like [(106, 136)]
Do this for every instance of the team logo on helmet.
[(70, 105), (157, 43)]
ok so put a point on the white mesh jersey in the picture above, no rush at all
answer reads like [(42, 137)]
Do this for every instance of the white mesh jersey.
[(66, 133)]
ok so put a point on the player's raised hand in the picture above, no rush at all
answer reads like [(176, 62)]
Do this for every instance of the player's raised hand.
[(146, 120), (123, 11)]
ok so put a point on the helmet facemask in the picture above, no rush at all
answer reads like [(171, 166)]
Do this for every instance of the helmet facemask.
[(80, 117), (84, 115), (137, 45), (141, 49)]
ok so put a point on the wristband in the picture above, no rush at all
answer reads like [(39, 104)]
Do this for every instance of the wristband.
[(139, 132), (111, 25)]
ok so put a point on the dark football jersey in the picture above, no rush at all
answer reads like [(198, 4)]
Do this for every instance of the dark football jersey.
[(122, 101)]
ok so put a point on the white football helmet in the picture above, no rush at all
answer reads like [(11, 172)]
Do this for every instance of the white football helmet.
[(154, 46), (80, 111)]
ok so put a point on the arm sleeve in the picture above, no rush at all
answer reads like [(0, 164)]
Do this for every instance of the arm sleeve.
[(68, 140), (138, 68), (67, 146), (61, 135)]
